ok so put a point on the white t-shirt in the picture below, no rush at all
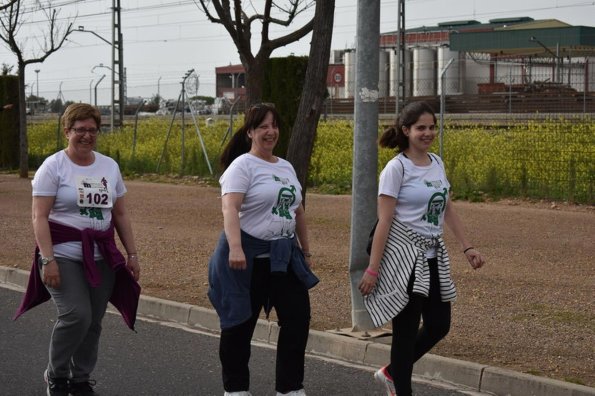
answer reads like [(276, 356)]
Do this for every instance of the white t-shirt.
[(421, 193), (272, 193), (85, 195)]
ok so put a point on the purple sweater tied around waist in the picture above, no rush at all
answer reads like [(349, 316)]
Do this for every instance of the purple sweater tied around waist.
[(126, 293)]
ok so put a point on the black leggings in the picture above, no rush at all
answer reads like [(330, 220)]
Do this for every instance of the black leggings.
[(288, 295), (409, 341)]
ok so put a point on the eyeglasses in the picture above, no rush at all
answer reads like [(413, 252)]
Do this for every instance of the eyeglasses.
[(81, 131)]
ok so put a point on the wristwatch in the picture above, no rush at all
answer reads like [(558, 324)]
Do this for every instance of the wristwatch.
[(46, 260)]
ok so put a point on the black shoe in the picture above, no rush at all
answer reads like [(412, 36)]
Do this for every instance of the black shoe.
[(56, 386), (82, 388)]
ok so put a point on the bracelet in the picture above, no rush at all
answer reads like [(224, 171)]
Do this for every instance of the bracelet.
[(370, 271), (469, 248), (132, 255), (307, 254)]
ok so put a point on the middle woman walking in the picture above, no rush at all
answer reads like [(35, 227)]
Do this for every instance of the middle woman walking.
[(258, 261)]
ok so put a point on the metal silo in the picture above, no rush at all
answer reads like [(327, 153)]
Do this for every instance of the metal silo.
[(394, 72), (474, 72), (383, 74), (349, 59), (424, 71), (452, 82)]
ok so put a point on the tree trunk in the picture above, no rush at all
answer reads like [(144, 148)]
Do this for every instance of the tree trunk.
[(23, 142), (255, 70), (303, 134)]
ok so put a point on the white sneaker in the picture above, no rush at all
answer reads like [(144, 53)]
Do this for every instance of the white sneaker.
[(300, 392), (383, 377), (242, 393)]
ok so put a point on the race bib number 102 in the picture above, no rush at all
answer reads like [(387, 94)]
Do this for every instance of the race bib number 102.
[(93, 193)]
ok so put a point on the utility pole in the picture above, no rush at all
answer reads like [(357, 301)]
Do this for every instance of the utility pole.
[(401, 45), (365, 151), (118, 99), (37, 83)]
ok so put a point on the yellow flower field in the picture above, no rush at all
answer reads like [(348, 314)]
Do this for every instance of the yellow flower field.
[(554, 159)]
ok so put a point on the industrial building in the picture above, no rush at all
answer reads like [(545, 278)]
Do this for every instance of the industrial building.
[(505, 56)]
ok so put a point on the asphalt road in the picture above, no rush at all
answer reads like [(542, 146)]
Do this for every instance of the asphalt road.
[(161, 359)]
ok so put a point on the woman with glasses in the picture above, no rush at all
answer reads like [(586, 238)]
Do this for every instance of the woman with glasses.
[(263, 256), (78, 201)]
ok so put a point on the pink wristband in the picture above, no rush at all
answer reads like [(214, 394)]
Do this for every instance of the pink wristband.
[(370, 271)]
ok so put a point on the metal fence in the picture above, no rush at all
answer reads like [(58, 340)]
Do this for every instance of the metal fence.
[(495, 105), (536, 146)]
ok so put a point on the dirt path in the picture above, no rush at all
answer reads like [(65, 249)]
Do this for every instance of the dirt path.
[(531, 309)]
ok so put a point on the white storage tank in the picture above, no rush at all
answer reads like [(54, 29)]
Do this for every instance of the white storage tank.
[(383, 74), (424, 71), (394, 64), (452, 82), (474, 72), (349, 59)]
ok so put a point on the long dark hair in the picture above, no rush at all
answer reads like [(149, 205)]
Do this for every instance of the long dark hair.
[(393, 136), (240, 143)]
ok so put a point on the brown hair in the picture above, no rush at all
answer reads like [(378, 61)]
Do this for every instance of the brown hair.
[(393, 136), (78, 112), (240, 143)]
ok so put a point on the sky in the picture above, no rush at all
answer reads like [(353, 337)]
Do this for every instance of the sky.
[(163, 39)]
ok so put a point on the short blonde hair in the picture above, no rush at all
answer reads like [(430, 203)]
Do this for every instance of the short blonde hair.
[(80, 111)]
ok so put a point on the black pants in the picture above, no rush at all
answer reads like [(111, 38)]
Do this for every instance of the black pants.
[(409, 341), (291, 301)]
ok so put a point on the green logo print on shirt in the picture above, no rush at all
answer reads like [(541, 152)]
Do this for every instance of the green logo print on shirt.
[(285, 199), (93, 213), (436, 205)]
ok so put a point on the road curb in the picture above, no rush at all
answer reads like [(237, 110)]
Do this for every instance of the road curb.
[(478, 377)]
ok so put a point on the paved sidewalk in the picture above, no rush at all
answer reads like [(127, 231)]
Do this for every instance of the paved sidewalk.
[(476, 377)]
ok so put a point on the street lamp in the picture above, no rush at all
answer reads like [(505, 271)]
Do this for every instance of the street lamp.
[(100, 80), (82, 29), (116, 46), (37, 73), (101, 65)]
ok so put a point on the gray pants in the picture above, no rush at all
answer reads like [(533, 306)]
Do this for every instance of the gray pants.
[(75, 338)]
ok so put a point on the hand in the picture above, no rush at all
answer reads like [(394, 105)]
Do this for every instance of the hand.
[(237, 259), (133, 266), (367, 284), (8, 106), (50, 274), (309, 262), (475, 258)]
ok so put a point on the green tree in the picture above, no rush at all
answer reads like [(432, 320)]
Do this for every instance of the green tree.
[(56, 106)]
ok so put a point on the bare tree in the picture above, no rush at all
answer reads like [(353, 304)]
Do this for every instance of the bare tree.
[(238, 24), (303, 133), (11, 22), (8, 4)]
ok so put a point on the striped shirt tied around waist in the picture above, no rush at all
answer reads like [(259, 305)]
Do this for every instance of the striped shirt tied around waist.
[(404, 255)]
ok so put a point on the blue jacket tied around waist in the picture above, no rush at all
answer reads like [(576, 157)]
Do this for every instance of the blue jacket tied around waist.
[(229, 289)]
